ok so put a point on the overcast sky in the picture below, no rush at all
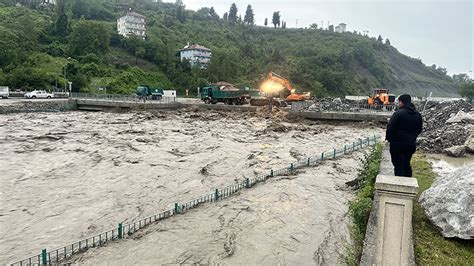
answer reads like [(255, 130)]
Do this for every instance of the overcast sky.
[(438, 31)]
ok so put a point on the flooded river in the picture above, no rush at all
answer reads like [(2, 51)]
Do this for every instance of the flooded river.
[(66, 176)]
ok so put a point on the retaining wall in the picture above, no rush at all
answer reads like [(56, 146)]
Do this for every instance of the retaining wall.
[(344, 116), (105, 105), (37, 106), (393, 224)]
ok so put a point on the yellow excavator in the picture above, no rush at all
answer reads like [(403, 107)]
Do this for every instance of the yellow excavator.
[(293, 96), (381, 97)]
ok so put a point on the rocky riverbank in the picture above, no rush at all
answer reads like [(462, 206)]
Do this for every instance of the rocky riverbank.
[(448, 128), (9, 107)]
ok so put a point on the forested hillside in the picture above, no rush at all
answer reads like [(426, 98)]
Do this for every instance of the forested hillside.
[(39, 45)]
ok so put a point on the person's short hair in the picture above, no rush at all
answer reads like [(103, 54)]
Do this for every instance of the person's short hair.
[(405, 98)]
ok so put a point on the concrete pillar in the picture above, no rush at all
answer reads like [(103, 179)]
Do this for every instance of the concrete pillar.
[(394, 219)]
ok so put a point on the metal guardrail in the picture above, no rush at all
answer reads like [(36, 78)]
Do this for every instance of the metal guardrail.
[(341, 108), (124, 230), (121, 98)]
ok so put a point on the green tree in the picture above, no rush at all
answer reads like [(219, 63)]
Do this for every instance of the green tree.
[(461, 78), (232, 17), (313, 26), (379, 39), (225, 17), (180, 10), (387, 42), (89, 37), (467, 90), (80, 8), (61, 26), (249, 18), (276, 19), (266, 22), (213, 14)]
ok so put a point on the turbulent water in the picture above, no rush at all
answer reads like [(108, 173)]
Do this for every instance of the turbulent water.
[(66, 176)]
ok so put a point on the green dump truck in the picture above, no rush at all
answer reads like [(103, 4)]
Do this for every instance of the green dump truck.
[(146, 92), (213, 94)]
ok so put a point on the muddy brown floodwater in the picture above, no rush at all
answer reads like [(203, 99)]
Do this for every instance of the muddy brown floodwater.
[(66, 176)]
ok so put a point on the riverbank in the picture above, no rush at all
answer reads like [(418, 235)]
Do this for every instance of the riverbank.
[(431, 248)]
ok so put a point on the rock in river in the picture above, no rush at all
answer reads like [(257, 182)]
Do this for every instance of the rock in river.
[(456, 151), (449, 203)]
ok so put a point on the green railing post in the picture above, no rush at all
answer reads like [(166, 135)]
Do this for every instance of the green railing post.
[(247, 182), (309, 161), (120, 231), (271, 172), (353, 146), (360, 142), (176, 208), (368, 141), (334, 153), (322, 156), (345, 148), (291, 167), (216, 194), (43, 257)]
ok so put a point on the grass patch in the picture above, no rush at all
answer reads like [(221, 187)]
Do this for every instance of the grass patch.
[(431, 248), (360, 207)]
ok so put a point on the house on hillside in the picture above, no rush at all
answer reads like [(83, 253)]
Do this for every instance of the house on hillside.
[(132, 24), (341, 28), (196, 55)]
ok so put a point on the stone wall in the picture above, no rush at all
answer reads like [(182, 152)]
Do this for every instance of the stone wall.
[(37, 106)]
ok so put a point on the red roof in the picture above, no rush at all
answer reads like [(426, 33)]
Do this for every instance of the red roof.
[(195, 47), (135, 14)]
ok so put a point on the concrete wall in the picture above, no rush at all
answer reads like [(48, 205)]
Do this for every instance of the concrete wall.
[(389, 236), (377, 117), (103, 105), (37, 106)]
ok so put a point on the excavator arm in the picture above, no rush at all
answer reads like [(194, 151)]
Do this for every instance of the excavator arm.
[(286, 83), (279, 79)]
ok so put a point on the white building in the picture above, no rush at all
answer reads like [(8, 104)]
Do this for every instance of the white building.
[(132, 24), (341, 28), (196, 55)]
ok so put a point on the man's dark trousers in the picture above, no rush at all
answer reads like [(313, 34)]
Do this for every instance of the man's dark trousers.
[(401, 157)]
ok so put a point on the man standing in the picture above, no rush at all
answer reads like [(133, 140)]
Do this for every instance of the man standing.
[(402, 130)]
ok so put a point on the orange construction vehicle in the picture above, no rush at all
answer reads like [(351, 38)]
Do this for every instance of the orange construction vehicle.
[(381, 97), (293, 97)]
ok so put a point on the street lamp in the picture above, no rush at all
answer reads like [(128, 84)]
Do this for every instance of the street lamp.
[(65, 77), (70, 88)]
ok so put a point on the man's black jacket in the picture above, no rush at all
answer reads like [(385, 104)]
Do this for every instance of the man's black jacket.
[(404, 127)]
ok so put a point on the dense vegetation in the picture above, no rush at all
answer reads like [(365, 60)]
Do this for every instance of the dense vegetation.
[(360, 207), (39, 45)]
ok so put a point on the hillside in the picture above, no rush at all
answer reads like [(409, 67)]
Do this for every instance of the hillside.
[(324, 62)]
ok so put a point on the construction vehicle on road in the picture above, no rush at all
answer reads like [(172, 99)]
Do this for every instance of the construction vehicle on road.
[(381, 97), (273, 91), (215, 94), (146, 92), (292, 96)]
